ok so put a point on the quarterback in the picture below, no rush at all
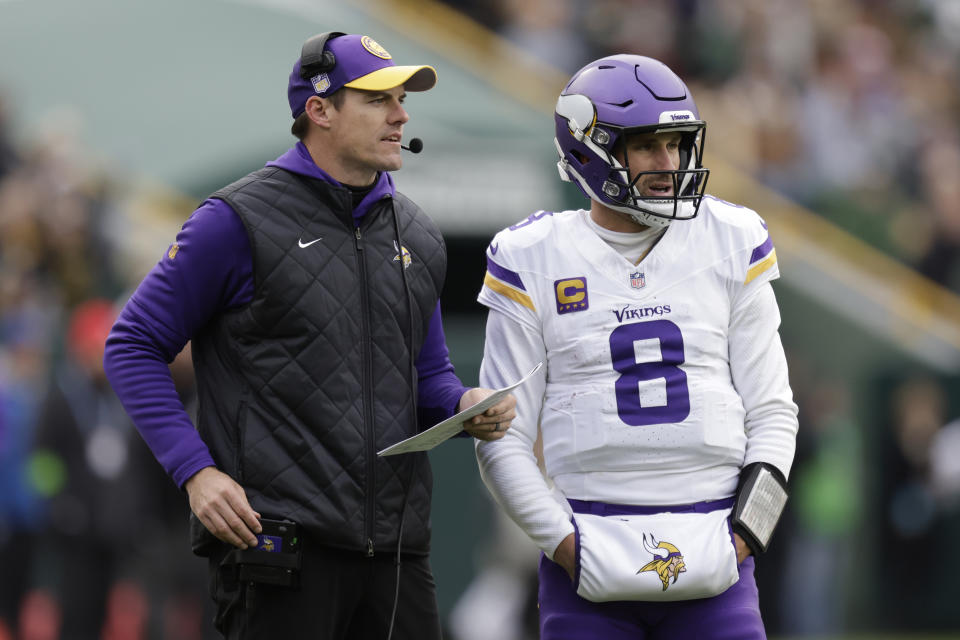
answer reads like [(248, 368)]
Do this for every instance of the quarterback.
[(664, 407)]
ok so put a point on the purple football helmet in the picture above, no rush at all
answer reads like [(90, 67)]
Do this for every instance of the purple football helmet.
[(606, 101)]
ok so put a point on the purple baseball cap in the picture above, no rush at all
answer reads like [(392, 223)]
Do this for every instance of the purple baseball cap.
[(361, 63)]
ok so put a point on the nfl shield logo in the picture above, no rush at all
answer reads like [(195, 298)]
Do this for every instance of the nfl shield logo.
[(638, 280), (320, 82)]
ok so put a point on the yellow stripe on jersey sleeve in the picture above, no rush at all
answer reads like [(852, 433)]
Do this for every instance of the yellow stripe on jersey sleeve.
[(507, 291), (761, 266)]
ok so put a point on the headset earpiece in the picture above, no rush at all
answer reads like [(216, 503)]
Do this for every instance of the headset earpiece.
[(313, 59)]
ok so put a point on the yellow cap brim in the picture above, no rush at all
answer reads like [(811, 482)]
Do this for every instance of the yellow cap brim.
[(412, 78)]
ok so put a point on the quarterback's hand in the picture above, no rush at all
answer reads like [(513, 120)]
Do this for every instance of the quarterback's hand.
[(221, 505), (566, 555), (742, 549), (492, 423)]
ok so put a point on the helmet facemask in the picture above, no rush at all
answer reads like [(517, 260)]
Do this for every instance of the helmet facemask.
[(689, 182)]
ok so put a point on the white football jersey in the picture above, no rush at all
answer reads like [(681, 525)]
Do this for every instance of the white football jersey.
[(651, 369)]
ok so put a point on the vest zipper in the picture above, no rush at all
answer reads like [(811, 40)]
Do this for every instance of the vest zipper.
[(367, 399), (241, 429)]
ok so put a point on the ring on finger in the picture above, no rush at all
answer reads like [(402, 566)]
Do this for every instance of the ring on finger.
[(496, 427)]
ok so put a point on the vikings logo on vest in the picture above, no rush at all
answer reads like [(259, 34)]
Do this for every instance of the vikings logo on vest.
[(638, 280), (667, 560), (320, 83), (406, 255), (571, 295), (374, 47)]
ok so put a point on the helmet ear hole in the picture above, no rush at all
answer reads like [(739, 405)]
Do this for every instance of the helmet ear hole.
[(581, 158)]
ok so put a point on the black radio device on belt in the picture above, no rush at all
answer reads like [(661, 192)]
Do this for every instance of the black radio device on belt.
[(276, 558)]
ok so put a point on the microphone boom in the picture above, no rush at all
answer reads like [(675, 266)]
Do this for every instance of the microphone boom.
[(416, 145)]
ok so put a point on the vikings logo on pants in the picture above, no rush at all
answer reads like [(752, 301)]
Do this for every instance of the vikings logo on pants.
[(668, 561)]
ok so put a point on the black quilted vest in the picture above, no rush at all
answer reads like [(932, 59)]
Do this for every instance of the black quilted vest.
[(300, 388)]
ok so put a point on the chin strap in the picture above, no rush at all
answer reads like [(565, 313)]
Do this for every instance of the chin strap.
[(761, 497)]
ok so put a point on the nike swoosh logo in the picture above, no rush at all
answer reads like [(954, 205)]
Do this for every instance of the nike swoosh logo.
[(304, 245), (494, 248)]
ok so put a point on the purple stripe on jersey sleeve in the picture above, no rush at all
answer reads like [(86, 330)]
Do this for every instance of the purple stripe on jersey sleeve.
[(439, 388), (762, 251), (207, 271), (504, 274)]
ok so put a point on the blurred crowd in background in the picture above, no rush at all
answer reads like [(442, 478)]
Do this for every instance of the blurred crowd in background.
[(849, 107), (92, 532)]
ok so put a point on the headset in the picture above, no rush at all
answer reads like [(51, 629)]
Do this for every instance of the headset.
[(313, 59)]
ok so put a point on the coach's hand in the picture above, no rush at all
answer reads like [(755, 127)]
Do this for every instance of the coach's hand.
[(566, 555), (493, 423), (221, 505)]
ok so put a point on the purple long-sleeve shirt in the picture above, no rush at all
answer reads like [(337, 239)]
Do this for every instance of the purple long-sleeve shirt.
[(212, 273)]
